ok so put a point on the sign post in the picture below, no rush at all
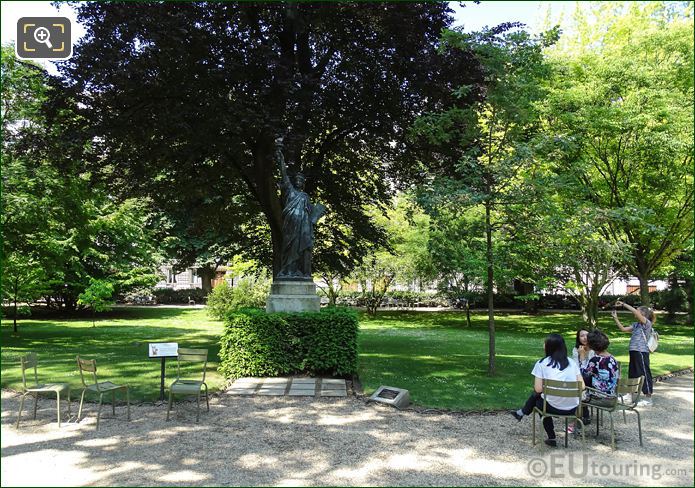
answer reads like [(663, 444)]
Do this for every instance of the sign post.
[(163, 350)]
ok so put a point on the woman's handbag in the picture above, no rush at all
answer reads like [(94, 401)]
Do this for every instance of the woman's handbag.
[(653, 341)]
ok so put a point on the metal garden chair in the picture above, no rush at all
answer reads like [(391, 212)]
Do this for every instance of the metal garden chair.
[(631, 386), (29, 361), (183, 386), (100, 388), (567, 389)]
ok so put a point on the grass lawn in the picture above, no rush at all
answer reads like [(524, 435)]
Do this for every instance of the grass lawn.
[(433, 354), (444, 363), (119, 344)]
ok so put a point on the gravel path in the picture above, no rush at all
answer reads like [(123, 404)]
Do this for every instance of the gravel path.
[(285, 441)]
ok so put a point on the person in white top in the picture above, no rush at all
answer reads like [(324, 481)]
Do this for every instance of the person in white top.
[(554, 366)]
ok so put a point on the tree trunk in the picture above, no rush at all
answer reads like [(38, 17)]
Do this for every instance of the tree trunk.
[(16, 287), (94, 318), (490, 294), (206, 274), (592, 306), (688, 287), (644, 288), (265, 188)]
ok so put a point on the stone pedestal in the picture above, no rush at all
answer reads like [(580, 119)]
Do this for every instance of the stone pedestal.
[(293, 296)]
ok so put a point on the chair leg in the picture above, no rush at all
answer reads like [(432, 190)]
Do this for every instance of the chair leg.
[(169, 408), (79, 411), (58, 407), (566, 422), (583, 433), (101, 399), (197, 410), (610, 415), (113, 403), (596, 419), (207, 398), (127, 402), (624, 417), (639, 428), (36, 403), (21, 406), (533, 427)]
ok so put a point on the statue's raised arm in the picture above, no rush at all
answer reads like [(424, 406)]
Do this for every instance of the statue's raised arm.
[(280, 159)]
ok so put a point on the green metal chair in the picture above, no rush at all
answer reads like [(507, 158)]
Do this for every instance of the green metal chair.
[(567, 389), (100, 388), (631, 386), (28, 361), (189, 386)]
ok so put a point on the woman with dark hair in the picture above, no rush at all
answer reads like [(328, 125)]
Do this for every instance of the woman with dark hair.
[(554, 366), (581, 352), (639, 350), (601, 374)]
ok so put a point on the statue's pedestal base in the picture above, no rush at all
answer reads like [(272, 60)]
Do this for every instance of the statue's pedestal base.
[(293, 296)]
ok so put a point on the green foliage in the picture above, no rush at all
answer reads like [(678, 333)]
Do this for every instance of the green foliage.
[(97, 296), (72, 229), (23, 280), (280, 65), (250, 291), (258, 344), (404, 258), (493, 173), (620, 125)]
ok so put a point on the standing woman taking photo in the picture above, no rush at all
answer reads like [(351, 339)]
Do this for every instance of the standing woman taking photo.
[(639, 350)]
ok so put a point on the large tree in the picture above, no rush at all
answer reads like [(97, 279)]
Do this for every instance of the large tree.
[(620, 115), (58, 230), (177, 94), (495, 135)]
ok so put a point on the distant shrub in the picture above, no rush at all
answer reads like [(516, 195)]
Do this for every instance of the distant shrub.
[(248, 292), (167, 296), (255, 343)]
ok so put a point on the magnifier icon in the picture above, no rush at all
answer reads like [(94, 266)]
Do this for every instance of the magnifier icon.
[(43, 36)]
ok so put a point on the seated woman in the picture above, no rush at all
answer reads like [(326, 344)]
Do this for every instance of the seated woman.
[(602, 373), (554, 366), (582, 352)]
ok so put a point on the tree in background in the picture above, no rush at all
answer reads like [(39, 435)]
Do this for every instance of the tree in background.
[(97, 297), (620, 114), (23, 281), (585, 262), (405, 258), (52, 217), (496, 134)]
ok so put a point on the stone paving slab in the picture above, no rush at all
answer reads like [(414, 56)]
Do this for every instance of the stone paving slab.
[(241, 391), (270, 392), (301, 392), (303, 381), (332, 381), (329, 387), (333, 393), (275, 381)]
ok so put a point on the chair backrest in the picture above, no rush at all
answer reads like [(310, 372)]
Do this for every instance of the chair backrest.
[(87, 366), (191, 356), (567, 389), (631, 386), (28, 361)]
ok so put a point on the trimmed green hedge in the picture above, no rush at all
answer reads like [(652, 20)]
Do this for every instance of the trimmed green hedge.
[(255, 343)]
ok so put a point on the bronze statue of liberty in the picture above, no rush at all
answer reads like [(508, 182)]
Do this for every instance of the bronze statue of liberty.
[(298, 219)]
